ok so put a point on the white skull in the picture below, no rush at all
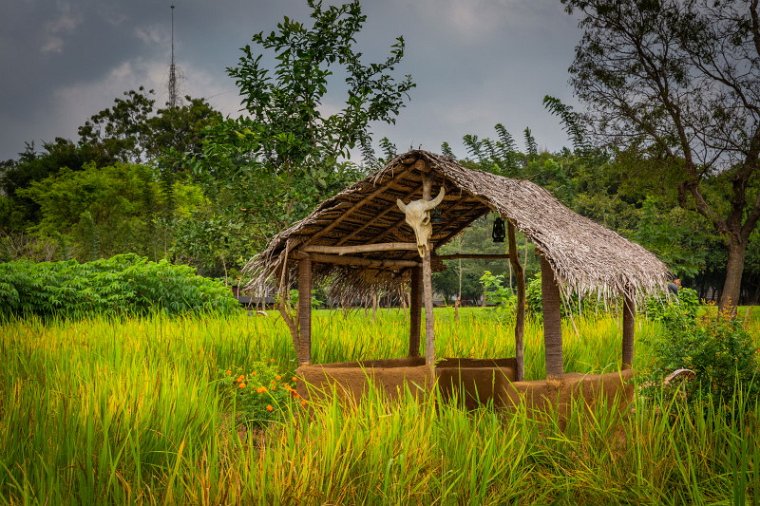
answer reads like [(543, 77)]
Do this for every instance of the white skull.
[(417, 215)]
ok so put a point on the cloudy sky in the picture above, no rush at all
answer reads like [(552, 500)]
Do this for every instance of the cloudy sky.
[(476, 62)]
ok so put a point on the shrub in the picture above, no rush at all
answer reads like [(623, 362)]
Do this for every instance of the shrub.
[(259, 392), (122, 285), (686, 303), (719, 351)]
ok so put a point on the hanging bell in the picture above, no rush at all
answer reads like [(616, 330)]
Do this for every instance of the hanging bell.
[(499, 232)]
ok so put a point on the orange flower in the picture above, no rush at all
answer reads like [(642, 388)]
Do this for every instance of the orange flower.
[(278, 377), (253, 373), (242, 385), (240, 378), (261, 390), (228, 372), (270, 408), (295, 394), (294, 379), (303, 402)]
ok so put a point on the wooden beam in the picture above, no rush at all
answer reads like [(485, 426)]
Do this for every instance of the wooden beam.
[(365, 262), (629, 320), (415, 309), (552, 320), (476, 256), (514, 259), (389, 209), (362, 248), (347, 212), (304, 311)]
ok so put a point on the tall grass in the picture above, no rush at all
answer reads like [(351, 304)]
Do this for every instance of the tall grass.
[(105, 411)]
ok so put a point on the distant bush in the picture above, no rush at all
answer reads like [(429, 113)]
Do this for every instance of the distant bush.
[(685, 303), (122, 285), (588, 306)]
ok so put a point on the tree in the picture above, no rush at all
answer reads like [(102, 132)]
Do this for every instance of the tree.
[(287, 102), (680, 81), (266, 169)]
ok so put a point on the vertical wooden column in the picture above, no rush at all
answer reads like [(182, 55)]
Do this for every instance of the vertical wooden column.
[(427, 285), (552, 320), (629, 315), (304, 311), (520, 320), (415, 312), (427, 288)]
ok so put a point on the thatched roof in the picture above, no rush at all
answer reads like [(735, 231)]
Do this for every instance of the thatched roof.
[(586, 257)]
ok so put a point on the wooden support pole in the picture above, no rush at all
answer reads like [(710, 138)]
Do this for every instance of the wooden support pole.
[(552, 320), (629, 315), (415, 312), (427, 285), (514, 260), (304, 311)]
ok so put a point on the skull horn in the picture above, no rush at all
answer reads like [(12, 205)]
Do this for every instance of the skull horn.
[(401, 205), (434, 203)]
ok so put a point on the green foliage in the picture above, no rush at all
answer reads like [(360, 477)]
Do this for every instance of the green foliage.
[(100, 211), (286, 102), (261, 395), (717, 349), (684, 305), (122, 285), (496, 292), (534, 305)]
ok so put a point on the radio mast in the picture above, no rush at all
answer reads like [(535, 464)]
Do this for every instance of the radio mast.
[(172, 72)]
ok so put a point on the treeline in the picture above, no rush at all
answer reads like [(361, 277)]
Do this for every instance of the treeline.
[(186, 184)]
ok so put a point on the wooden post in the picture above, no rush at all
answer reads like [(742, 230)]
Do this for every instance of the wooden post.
[(629, 315), (304, 311), (520, 320), (427, 285), (415, 312), (552, 320)]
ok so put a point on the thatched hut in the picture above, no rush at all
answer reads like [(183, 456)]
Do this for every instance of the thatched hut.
[(359, 240)]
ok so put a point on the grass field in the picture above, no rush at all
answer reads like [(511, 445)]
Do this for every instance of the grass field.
[(109, 411)]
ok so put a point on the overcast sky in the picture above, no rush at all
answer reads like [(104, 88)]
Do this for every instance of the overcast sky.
[(476, 62)]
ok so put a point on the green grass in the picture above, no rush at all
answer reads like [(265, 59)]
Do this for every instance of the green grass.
[(105, 411)]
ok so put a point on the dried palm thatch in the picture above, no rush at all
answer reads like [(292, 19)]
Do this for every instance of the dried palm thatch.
[(586, 257)]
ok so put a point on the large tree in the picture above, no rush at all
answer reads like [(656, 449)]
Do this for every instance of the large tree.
[(679, 80), (291, 150)]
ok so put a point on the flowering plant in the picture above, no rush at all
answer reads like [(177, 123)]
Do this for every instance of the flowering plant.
[(260, 392)]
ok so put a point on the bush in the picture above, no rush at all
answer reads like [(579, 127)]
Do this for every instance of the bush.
[(122, 285), (717, 349), (261, 395), (686, 303)]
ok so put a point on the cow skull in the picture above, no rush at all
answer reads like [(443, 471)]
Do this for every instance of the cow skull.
[(417, 215)]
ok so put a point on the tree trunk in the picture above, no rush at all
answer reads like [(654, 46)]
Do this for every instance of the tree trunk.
[(729, 297), (552, 320)]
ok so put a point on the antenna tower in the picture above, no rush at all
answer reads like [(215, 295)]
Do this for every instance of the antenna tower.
[(172, 72)]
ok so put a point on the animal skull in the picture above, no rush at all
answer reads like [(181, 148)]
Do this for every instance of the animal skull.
[(418, 217)]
